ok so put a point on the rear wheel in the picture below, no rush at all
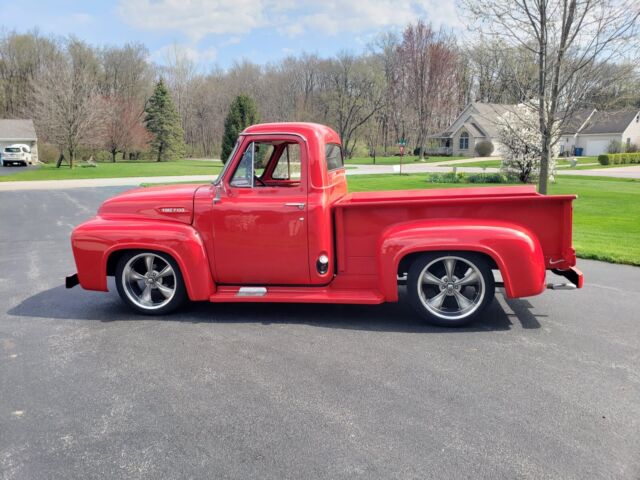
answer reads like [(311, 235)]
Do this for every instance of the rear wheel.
[(450, 289), (150, 282)]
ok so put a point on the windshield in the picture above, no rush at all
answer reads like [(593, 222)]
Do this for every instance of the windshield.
[(12, 150), (226, 165)]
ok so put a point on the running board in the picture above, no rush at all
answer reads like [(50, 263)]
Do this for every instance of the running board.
[(251, 292), (561, 286), (296, 295)]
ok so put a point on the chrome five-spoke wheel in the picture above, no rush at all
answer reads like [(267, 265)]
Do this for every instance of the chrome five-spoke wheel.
[(450, 289), (150, 282)]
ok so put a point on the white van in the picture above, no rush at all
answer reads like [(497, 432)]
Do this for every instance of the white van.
[(17, 154)]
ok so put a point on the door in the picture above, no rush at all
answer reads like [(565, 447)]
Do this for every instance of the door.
[(260, 218)]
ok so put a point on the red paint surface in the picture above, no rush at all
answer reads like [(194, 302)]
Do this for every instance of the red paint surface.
[(224, 236)]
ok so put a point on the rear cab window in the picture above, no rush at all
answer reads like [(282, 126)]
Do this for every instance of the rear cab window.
[(333, 156)]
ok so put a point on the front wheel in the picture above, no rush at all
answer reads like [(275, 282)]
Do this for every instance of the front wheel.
[(150, 282), (450, 289)]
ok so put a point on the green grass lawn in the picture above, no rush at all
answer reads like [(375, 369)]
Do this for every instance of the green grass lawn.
[(480, 164), (606, 222), (583, 164), (396, 160), (118, 170)]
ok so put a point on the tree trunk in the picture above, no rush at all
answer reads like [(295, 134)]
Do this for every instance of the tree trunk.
[(544, 163), (113, 155), (159, 159)]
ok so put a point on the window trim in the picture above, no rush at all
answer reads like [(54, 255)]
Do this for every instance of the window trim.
[(244, 139)]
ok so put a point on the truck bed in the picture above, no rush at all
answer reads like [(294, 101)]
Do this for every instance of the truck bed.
[(361, 218)]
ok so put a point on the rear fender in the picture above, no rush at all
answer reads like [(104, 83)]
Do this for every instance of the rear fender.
[(95, 241), (514, 249)]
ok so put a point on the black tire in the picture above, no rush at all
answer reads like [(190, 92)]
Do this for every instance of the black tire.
[(453, 311), (131, 289)]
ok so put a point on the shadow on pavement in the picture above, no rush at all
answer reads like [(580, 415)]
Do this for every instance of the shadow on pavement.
[(60, 303)]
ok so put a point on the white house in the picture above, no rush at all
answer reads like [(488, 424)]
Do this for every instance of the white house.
[(475, 123), (588, 129), (593, 131), (19, 131)]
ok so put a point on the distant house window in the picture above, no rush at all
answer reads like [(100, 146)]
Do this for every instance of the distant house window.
[(464, 141), (628, 142)]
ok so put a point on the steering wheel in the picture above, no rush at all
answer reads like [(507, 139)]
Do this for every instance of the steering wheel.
[(259, 180)]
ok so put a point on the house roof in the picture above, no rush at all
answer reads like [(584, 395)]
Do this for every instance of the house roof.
[(572, 125), (492, 111), (481, 121), (473, 128), (609, 122), (12, 129), (489, 114)]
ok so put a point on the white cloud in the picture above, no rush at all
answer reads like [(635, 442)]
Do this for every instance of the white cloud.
[(194, 18), (199, 18)]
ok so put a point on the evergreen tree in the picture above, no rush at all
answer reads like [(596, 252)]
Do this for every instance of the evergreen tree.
[(163, 121), (242, 114)]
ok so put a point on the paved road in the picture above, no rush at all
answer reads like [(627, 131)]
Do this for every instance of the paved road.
[(11, 170), (623, 172), (547, 387)]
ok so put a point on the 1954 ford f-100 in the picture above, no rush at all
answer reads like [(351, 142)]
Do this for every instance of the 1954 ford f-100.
[(278, 225)]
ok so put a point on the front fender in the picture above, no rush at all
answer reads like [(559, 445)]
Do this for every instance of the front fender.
[(95, 240), (515, 250)]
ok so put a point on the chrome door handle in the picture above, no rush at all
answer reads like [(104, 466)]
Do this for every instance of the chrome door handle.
[(298, 205)]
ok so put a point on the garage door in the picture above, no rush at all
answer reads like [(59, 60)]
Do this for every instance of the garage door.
[(596, 147)]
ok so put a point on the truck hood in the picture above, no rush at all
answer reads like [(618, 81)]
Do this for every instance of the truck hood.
[(173, 203)]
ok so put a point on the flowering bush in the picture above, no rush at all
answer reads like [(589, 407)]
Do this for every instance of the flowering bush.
[(519, 134)]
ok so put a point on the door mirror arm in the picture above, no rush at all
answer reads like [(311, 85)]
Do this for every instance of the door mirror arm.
[(216, 198)]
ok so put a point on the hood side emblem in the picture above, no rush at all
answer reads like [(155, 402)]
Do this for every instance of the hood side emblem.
[(172, 209)]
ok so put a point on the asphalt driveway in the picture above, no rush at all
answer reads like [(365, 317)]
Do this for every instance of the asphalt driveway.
[(11, 170), (546, 387)]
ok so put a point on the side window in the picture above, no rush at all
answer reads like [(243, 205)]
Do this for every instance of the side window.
[(254, 160), (288, 166), (333, 154)]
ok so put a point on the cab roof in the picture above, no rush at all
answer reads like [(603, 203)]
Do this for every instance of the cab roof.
[(306, 129)]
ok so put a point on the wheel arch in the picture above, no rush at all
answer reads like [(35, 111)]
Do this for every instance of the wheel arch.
[(99, 243), (511, 249)]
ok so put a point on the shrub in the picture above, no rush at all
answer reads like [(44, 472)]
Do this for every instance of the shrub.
[(632, 148), (603, 159), (449, 177), (416, 151), (484, 148), (487, 178), (615, 146), (453, 177), (624, 158)]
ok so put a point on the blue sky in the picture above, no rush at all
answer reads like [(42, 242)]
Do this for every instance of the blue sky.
[(222, 31)]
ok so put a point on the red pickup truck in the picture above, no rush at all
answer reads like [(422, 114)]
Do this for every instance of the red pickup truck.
[(278, 225)]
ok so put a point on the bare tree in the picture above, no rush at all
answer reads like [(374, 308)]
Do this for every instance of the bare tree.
[(66, 104), (22, 59), (430, 60), (571, 39), (121, 126), (354, 94)]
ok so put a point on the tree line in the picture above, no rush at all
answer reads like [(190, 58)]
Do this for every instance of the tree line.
[(403, 86)]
